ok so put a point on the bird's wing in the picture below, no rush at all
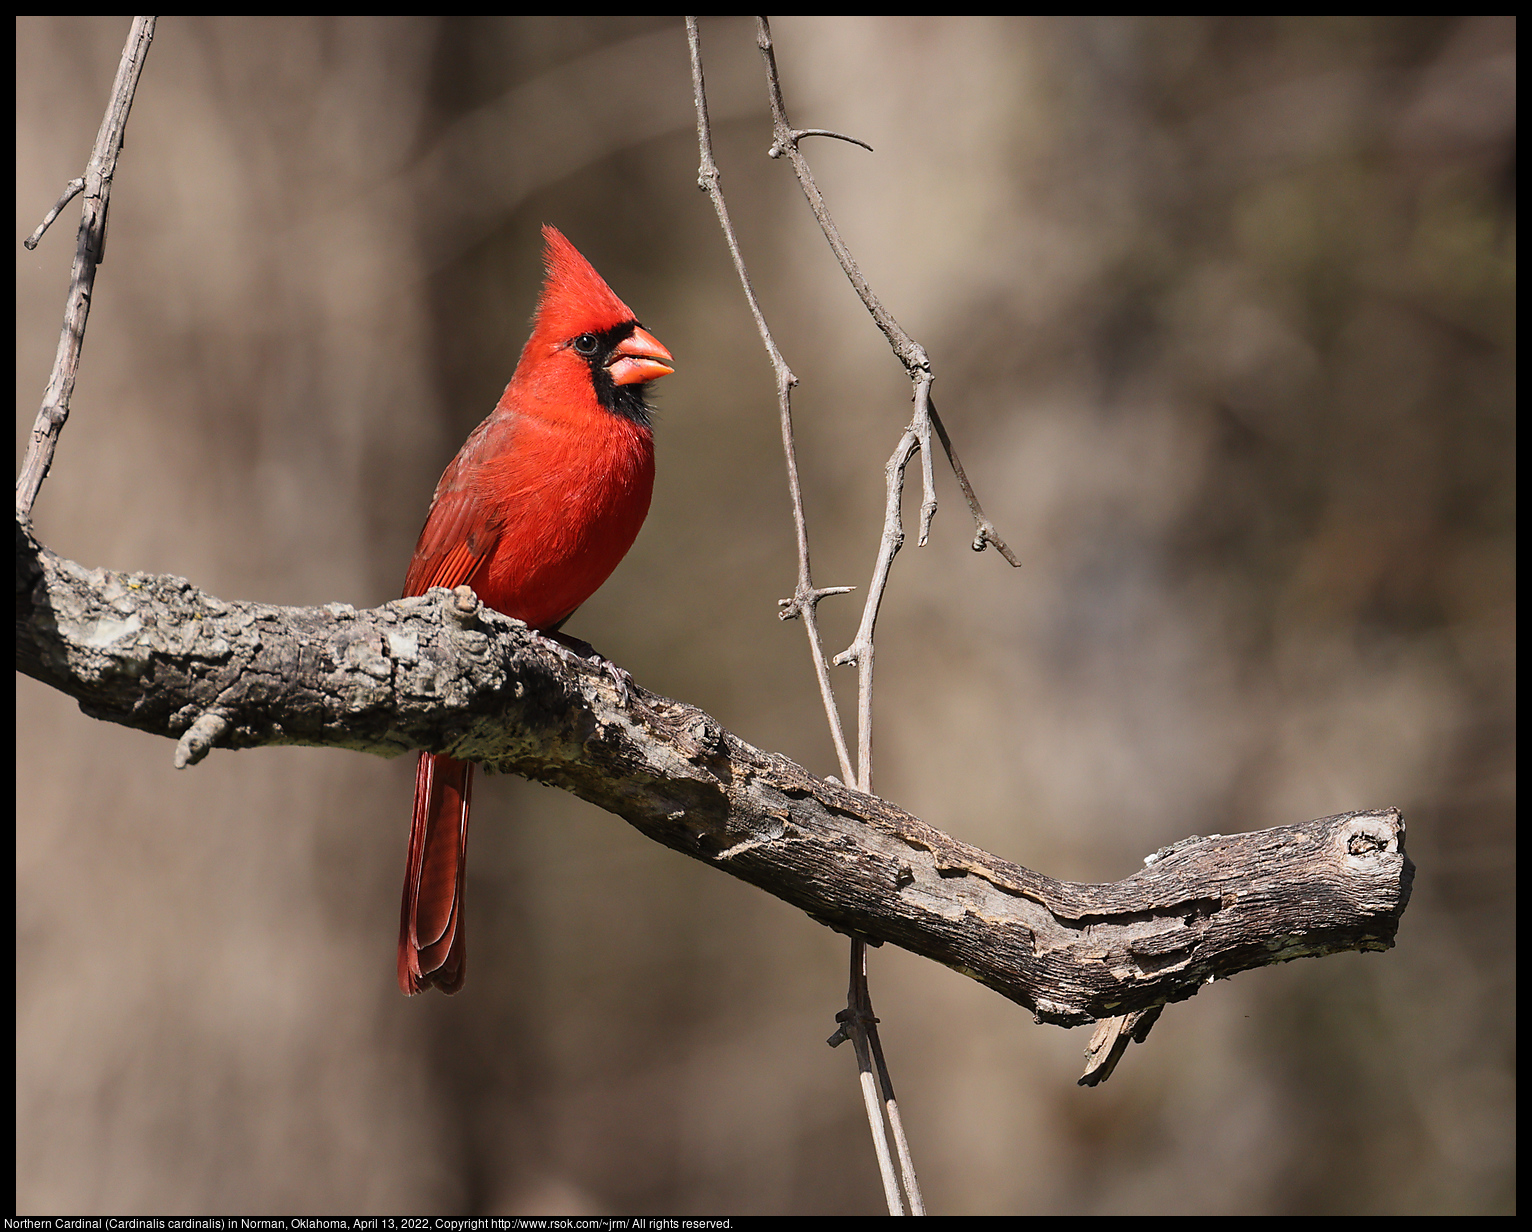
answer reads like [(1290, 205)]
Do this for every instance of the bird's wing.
[(458, 535)]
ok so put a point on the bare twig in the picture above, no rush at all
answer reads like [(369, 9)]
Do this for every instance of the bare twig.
[(860, 1025), (862, 1022), (861, 652), (895, 1121), (71, 191), (785, 141), (799, 133), (917, 436), (856, 1020), (806, 596), (984, 529), (97, 186), (804, 604)]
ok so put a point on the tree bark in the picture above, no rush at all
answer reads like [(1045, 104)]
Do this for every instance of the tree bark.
[(442, 672)]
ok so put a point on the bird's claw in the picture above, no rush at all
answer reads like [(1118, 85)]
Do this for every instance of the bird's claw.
[(572, 650), (620, 678)]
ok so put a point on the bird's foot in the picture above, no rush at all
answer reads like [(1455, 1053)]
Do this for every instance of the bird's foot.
[(572, 648)]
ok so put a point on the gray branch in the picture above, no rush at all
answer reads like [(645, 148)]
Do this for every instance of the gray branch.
[(90, 251), (441, 672)]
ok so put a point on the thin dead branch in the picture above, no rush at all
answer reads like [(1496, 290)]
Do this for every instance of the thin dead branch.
[(804, 604), (90, 249), (861, 1024), (71, 190), (862, 650), (917, 365)]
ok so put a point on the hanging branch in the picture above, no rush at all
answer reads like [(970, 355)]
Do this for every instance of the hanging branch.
[(916, 436), (912, 355), (858, 1023), (861, 1023), (806, 596), (90, 250)]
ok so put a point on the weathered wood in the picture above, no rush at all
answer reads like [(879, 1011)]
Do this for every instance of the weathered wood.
[(441, 672)]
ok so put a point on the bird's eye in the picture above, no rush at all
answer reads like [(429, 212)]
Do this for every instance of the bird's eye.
[(586, 344)]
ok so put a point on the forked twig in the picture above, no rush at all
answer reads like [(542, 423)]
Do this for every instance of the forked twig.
[(806, 596), (913, 356), (857, 1021), (90, 245), (860, 1025)]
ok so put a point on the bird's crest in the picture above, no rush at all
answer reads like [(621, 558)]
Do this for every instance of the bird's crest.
[(575, 298)]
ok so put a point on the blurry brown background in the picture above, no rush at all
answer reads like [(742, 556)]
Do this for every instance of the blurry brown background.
[(1221, 312)]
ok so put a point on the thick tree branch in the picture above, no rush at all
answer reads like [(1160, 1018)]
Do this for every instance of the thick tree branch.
[(155, 653)]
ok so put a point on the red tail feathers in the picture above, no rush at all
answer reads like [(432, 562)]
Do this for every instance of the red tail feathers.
[(431, 945)]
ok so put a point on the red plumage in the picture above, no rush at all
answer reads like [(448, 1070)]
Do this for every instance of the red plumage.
[(541, 503)]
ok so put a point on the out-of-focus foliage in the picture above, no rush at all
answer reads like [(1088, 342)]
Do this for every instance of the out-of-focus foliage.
[(1221, 311)]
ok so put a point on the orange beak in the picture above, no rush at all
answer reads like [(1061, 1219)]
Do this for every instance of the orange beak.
[(639, 357)]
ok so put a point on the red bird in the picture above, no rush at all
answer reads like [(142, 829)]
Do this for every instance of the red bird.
[(542, 501)]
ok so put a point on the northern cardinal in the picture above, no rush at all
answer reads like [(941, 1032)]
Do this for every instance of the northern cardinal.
[(541, 502)]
